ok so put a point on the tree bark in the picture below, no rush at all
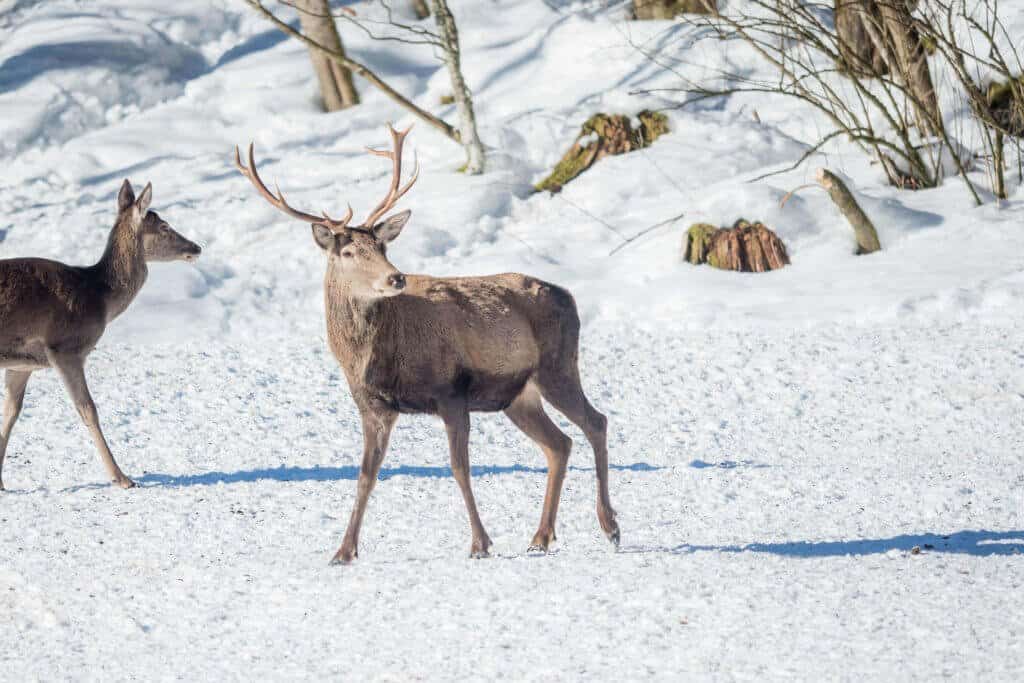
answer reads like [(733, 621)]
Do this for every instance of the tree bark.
[(668, 9), (863, 228), (460, 91), (912, 64), (858, 51), (336, 88), (421, 9)]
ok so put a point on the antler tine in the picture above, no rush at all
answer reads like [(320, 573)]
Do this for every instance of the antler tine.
[(279, 201), (394, 193)]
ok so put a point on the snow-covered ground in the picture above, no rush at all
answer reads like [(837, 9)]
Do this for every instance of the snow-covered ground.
[(781, 443)]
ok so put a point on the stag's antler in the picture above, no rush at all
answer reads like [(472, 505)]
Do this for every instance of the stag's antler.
[(278, 200), (394, 194)]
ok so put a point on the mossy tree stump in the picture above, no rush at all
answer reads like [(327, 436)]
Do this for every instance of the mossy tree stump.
[(603, 135), (1006, 100), (668, 9), (746, 247)]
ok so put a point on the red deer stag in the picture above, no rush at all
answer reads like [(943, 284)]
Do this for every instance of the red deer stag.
[(52, 315), (448, 347)]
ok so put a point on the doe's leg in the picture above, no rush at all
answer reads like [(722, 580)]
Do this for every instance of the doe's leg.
[(71, 369), (15, 381)]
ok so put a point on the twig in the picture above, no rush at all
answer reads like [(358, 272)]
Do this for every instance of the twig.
[(643, 232)]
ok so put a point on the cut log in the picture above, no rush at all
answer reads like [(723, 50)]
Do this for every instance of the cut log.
[(863, 228), (746, 247), (603, 135)]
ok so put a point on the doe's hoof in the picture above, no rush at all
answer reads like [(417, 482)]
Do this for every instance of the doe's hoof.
[(125, 483)]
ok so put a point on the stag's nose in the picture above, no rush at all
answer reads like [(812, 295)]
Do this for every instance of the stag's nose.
[(193, 253), (397, 280)]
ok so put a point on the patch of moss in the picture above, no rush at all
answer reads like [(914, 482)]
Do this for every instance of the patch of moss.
[(698, 241), (653, 124)]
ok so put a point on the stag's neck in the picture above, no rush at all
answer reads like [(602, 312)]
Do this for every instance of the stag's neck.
[(122, 269)]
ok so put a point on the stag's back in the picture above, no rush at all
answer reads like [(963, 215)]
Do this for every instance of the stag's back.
[(482, 337)]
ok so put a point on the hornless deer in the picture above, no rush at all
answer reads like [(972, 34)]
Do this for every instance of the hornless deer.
[(52, 315), (446, 347)]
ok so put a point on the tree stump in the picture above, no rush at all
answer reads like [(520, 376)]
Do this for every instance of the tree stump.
[(668, 9), (746, 247), (603, 135), (1006, 100)]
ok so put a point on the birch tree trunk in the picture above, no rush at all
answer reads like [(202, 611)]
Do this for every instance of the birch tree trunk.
[(336, 88), (460, 91)]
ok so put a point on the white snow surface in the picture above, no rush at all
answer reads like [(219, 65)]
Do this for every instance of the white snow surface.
[(818, 471)]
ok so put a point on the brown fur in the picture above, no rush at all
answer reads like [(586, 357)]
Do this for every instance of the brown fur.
[(53, 315)]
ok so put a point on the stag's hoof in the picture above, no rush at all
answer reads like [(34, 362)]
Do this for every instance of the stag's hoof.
[(125, 483), (343, 556), (480, 549), (613, 535), (542, 540)]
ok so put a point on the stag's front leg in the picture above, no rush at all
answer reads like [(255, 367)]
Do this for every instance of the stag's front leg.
[(71, 369), (377, 424), (456, 422)]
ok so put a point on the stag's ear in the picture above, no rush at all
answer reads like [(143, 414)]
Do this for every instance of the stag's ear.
[(323, 237), (144, 199), (126, 197), (392, 227)]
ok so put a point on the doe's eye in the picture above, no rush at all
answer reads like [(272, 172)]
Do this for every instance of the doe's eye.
[(347, 254)]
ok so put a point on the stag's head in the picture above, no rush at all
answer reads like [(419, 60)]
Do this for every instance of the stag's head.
[(357, 254), (160, 241)]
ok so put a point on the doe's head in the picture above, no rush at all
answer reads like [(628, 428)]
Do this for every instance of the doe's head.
[(160, 241)]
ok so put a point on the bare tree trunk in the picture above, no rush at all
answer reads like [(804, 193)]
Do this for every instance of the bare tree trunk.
[(912, 64), (336, 87), (858, 52), (667, 9), (360, 70), (463, 100), (421, 9)]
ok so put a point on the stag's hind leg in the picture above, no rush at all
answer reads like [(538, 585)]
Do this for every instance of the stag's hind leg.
[(527, 413), (456, 422), (71, 369), (16, 381), (562, 388)]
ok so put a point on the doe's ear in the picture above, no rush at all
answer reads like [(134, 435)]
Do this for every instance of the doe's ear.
[(323, 237), (145, 198), (392, 227), (126, 197)]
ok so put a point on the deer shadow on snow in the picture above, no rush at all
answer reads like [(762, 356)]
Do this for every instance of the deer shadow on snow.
[(981, 543), (351, 473)]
